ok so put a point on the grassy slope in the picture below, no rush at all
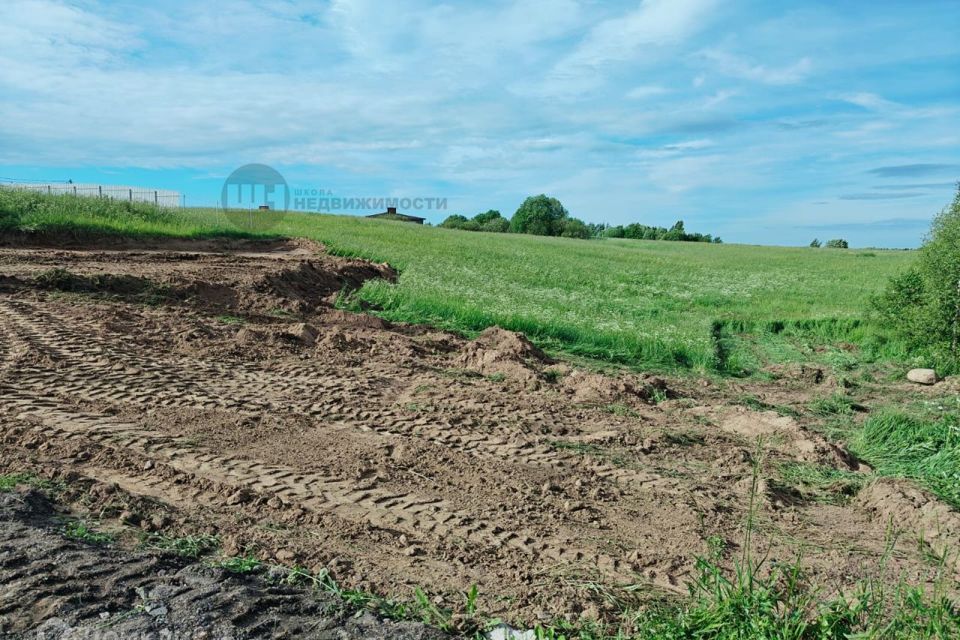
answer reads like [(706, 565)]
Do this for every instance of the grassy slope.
[(648, 303)]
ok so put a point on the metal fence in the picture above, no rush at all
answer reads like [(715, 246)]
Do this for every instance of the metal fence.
[(159, 197)]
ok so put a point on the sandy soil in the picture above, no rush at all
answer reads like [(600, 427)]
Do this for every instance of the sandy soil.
[(204, 387)]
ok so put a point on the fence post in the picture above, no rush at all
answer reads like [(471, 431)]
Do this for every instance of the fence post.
[(100, 190), (131, 195), (48, 190), (74, 190), (156, 199)]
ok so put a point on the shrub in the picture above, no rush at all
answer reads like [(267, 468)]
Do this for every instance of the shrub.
[(496, 225), (487, 221), (487, 216), (455, 221), (922, 304), (574, 228), (815, 244), (837, 243), (540, 216), (13, 202)]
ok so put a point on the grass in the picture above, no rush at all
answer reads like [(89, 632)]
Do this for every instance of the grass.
[(9, 481), (822, 484), (897, 443), (645, 303), (240, 564), (192, 546), (77, 530)]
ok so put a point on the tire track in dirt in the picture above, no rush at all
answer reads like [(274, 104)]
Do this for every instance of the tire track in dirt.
[(102, 371), (58, 588), (413, 514), (95, 367)]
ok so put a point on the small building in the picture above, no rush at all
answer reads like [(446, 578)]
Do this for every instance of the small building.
[(391, 214)]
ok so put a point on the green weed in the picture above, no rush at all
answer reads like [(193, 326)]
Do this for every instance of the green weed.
[(192, 546), (240, 564), (77, 530)]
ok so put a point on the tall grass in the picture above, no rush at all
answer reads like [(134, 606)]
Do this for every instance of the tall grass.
[(899, 444), (655, 304)]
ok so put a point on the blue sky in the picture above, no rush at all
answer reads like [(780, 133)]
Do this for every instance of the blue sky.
[(761, 121)]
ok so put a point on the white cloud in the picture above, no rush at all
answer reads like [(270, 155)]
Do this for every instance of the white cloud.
[(646, 91), (632, 37), (739, 67), (869, 101)]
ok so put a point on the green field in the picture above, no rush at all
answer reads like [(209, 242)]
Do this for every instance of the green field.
[(643, 303)]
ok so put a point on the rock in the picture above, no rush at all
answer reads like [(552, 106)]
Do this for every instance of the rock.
[(285, 556), (506, 632), (240, 497), (305, 333), (922, 376)]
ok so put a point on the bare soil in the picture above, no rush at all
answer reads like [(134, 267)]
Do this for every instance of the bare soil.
[(214, 388)]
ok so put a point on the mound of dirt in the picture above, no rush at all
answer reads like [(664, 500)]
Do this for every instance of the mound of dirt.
[(592, 388), (797, 372), (785, 435), (911, 508), (498, 351), (310, 284)]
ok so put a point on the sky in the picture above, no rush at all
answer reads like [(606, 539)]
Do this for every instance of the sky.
[(767, 122)]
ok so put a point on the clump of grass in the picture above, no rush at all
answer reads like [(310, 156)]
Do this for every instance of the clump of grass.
[(836, 404), (420, 608), (77, 530), (228, 319), (822, 484), (10, 481), (683, 439), (240, 564), (752, 402), (552, 375), (191, 546), (619, 409), (928, 451)]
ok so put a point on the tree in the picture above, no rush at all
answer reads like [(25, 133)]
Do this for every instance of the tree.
[(495, 225), (922, 304), (573, 228), (455, 221), (837, 243), (487, 216), (597, 229), (539, 215), (815, 244)]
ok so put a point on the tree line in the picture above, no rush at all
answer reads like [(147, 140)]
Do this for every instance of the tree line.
[(545, 216)]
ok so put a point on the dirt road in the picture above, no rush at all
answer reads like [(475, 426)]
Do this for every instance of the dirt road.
[(214, 388)]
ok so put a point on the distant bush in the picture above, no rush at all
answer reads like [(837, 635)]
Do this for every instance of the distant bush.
[(922, 304), (455, 221), (574, 228), (540, 216), (837, 243), (815, 244), (676, 233), (488, 221), (11, 205), (496, 225)]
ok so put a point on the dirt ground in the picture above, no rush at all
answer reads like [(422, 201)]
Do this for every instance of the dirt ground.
[(213, 388)]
